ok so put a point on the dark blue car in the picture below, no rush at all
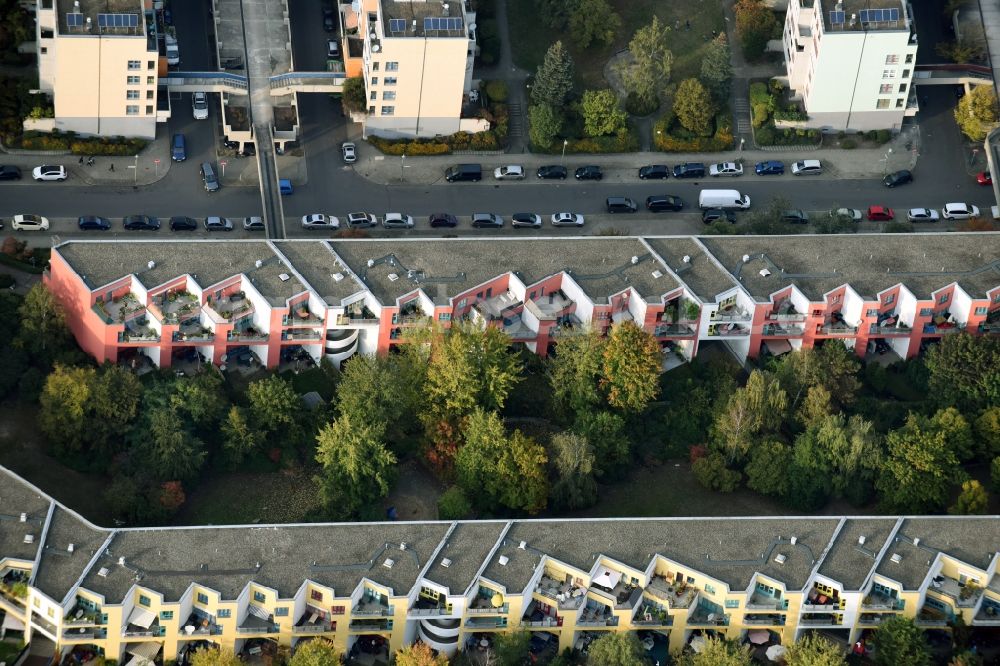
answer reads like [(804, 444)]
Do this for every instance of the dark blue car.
[(769, 168), (178, 150)]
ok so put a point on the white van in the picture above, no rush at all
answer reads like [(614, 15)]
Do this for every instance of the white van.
[(723, 199)]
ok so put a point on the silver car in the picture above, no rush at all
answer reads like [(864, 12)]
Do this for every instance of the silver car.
[(349, 151), (922, 215), (397, 221), (526, 221), (567, 220), (361, 220), (218, 224), (320, 221)]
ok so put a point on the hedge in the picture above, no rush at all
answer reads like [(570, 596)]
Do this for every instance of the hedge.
[(669, 137), (484, 141), (624, 142), (770, 136), (101, 146)]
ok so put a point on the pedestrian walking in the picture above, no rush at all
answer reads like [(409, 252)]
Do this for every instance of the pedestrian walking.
[(81, 159), (112, 167), (90, 161)]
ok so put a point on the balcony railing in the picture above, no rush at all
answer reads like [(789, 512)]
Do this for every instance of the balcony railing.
[(733, 314), (355, 319), (98, 309), (782, 329), (143, 633), (727, 332), (932, 329), (875, 329), (246, 336), (548, 622), (503, 610), (84, 632), (372, 612), (200, 336), (301, 335), (138, 336), (599, 622), (825, 620), (672, 329), (273, 629), (428, 612), (838, 329), (297, 319), (318, 628), (764, 620), (486, 623)]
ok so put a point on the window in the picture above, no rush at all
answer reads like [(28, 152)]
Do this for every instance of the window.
[(373, 96), (133, 80), (224, 613), (872, 313), (461, 303), (149, 110), (902, 87), (388, 110), (900, 103), (732, 603), (889, 299), (150, 80), (926, 312), (375, 66), (337, 610), (281, 611), (149, 94), (909, 58), (202, 598), (258, 597), (892, 60), (374, 80), (885, 89), (389, 95), (150, 65), (981, 311), (166, 615), (134, 65), (143, 600), (444, 316), (371, 109), (835, 299), (690, 580), (131, 94), (882, 104), (888, 73), (44, 50), (390, 80), (996, 298), (943, 299), (392, 66), (709, 589), (906, 73)]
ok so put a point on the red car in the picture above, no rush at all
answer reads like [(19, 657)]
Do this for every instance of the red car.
[(984, 178), (880, 213)]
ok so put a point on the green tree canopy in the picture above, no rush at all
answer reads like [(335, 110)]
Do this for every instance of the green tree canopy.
[(630, 367), (383, 389), (841, 449), (964, 370), (555, 13), (616, 649), (172, 451), (712, 472), (353, 95), (201, 398), (572, 458), (977, 112), (419, 654), (718, 652), (755, 23), (358, 468), (767, 470), (899, 641), (554, 79), (717, 69), (602, 113), (594, 21), (693, 107), (987, 428), (544, 124), (756, 409), (606, 433), (814, 650), (512, 648), (575, 373), (831, 366), (65, 408), (920, 469), (972, 500), (274, 404), (316, 652), (648, 71), (43, 324), (215, 657), (239, 438)]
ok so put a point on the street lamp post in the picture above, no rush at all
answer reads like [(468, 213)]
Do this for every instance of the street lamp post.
[(402, 162), (565, 142)]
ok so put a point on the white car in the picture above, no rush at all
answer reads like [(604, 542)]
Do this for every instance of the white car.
[(567, 220), (29, 223), (397, 221), (807, 168), (349, 151), (922, 215), (509, 172), (199, 106), (320, 221), (852, 214), (726, 169), (959, 211), (173, 53), (49, 172)]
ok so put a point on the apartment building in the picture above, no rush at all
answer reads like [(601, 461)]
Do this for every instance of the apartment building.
[(851, 62), (161, 302), (416, 57), (99, 61), (157, 594)]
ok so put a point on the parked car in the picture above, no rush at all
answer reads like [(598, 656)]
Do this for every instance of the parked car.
[(178, 148), (710, 215), (49, 172), (620, 205), (794, 216), (551, 172), (664, 202), (438, 220), (199, 106), (880, 214), (361, 220), (769, 168), (567, 220), (486, 221), (253, 224), (726, 169), (173, 53), (208, 177), (526, 221), (922, 215), (807, 168), (689, 170), (9, 172), (397, 221), (846, 214), (349, 151), (959, 211), (26, 222), (320, 221), (509, 172), (332, 49), (328, 19), (218, 224), (464, 173), (654, 171), (181, 223), (140, 223), (897, 178), (591, 172), (984, 178), (93, 223)]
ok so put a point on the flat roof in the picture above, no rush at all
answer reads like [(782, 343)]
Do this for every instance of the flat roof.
[(966, 538), (849, 561), (465, 550), (17, 497), (406, 18), (316, 262), (858, 15), (61, 567), (870, 263), (92, 8), (695, 268)]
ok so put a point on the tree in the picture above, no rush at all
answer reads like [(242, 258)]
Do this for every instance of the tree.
[(274, 405), (544, 124), (572, 457), (419, 654), (616, 649), (512, 648), (575, 373), (767, 470), (648, 71), (239, 438), (358, 468), (43, 324), (630, 367), (717, 69), (453, 504), (594, 21), (693, 107), (976, 113), (718, 652), (832, 366), (899, 641), (215, 657), (756, 409), (554, 79), (755, 23), (114, 403), (844, 450), (496, 471), (816, 406), (602, 113), (172, 451), (711, 472), (65, 407), (383, 389), (606, 433), (555, 13), (966, 659), (956, 431), (961, 50), (972, 500), (814, 650), (316, 652), (353, 95), (987, 427), (964, 370), (201, 398), (920, 469)]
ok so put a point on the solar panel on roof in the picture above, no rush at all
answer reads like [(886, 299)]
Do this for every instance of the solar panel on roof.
[(117, 20), (879, 15), (397, 25), (74, 20), (443, 23), (836, 18)]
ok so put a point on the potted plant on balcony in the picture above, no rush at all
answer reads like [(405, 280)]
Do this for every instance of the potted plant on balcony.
[(692, 310), (670, 313)]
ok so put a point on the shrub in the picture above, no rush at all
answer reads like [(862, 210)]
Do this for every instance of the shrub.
[(711, 472), (637, 105), (761, 103), (871, 135), (883, 136), (669, 136), (848, 144), (765, 136), (6, 281), (497, 90), (489, 41), (453, 505)]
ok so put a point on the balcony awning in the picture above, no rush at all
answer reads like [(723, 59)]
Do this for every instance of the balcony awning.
[(259, 612), (607, 577), (778, 347), (11, 622), (141, 617), (143, 652)]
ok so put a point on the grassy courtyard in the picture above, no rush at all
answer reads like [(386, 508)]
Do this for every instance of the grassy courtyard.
[(530, 38)]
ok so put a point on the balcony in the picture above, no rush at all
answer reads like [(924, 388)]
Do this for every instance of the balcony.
[(192, 331), (652, 615), (231, 307), (566, 595), (486, 623), (119, 309), (677, 595), (728, 330), (943, 329), (992, 323), (764, 620), (424, 607), (356, 315), (83, 614), (255, 625), (964, 594), (881, 602), (785, 311), (370, 626), (595, 614), (731, 312), (176, 306), (482, 603), (410, 313), (302, 334), (200, 625), (549, 306), (301, 316), (873, 619), (372, 607), (779, 330), (673, 330), (680, 311), (989, 613), (314, 621), (567, 324), (890, 329), (840, 328), (138, 631), (821, 619), (78, 633), (930, 616), (708, 615), (760, 601), (137, 330)]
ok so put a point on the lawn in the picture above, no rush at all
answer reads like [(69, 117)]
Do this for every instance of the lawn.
[(531, 38), (240, 498), (8, 651)]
